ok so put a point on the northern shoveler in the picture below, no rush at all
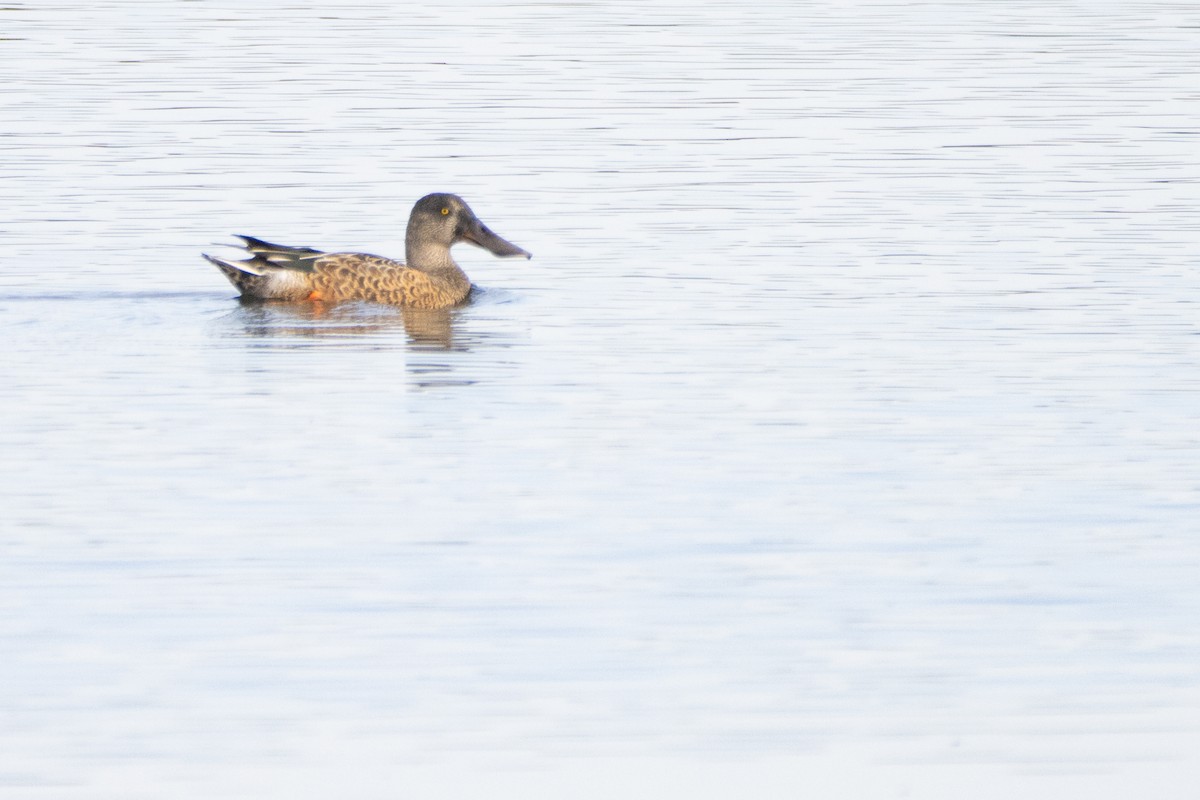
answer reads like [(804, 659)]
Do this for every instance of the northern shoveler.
[(428, 278)]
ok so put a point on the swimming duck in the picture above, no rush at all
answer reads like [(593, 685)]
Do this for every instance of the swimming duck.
[(428, 278)]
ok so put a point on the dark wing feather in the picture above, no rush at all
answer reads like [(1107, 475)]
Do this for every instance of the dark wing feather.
[(280, 255)]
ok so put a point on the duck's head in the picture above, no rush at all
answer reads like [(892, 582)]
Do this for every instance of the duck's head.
[(441, 220)]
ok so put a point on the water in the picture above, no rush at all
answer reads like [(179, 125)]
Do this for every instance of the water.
[(841, 438)]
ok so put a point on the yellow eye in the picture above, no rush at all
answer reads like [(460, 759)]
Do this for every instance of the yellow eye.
[(445, 211)]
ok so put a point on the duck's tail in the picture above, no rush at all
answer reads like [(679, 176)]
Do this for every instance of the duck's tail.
[(248, 279), (273, 272)]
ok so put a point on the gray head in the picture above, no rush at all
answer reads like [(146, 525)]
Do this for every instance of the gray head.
[(441, 220)]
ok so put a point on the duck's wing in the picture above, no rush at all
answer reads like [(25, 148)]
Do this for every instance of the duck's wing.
[(280, 255)]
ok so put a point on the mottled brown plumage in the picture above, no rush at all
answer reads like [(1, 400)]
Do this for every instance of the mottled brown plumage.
[(429, 277), (358, 276)]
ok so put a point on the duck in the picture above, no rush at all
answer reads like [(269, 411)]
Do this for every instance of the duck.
[(428, 278)]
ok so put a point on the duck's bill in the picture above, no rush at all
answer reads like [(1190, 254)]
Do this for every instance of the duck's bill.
[(480, 234)]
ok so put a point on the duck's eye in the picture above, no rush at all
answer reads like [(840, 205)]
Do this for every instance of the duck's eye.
[(445, 211)]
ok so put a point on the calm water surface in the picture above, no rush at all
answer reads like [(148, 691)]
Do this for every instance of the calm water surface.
[(842, 439)]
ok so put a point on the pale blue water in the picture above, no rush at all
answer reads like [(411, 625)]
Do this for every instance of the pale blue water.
[(842, 438)]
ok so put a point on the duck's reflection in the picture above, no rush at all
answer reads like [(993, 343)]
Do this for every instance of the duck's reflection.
[(444, 347), (349, 324), (432, 328)]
